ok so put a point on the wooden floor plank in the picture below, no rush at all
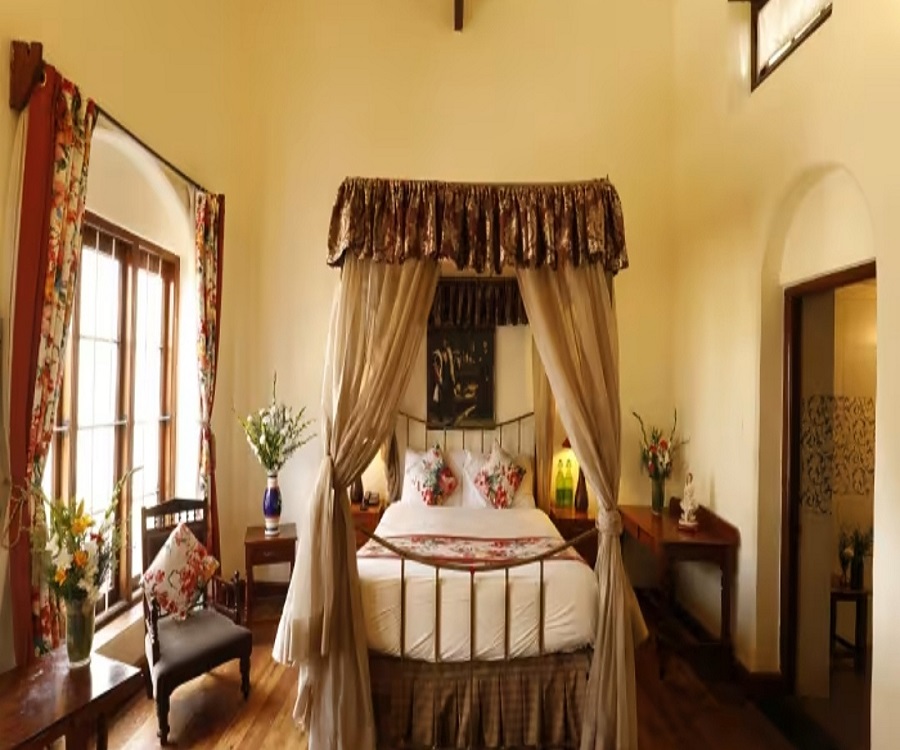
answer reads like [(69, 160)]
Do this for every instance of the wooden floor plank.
[(677, 713)]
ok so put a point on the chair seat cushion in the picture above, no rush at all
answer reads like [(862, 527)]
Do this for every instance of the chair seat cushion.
[(191, 647)]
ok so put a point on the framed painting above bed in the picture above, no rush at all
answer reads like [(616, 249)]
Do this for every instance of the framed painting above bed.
[(460, 379)]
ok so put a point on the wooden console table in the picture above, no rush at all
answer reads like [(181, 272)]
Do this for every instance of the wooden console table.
[(46, 700), (714, 540), (260, 549)]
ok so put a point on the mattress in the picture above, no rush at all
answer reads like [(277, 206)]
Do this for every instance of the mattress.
[(570, 586)]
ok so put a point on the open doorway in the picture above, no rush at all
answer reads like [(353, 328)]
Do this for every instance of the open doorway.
[(827, 503)]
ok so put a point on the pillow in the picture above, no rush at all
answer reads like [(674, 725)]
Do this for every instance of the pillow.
[(499, 478), (431, 477), (179, 573), (475, 462)]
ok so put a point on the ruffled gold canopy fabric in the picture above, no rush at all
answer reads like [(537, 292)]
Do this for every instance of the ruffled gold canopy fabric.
[(479, 227)]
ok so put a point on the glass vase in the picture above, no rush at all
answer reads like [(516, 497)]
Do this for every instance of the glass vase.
[(79, 632), (272, 505), (658, 495)]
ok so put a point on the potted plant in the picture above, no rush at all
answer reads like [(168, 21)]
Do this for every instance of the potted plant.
[(275, 433), (657, 454)]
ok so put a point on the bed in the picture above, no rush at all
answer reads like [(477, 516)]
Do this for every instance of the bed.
[(479, 623)]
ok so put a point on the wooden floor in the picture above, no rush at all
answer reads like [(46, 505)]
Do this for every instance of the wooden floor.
[(679, 713)]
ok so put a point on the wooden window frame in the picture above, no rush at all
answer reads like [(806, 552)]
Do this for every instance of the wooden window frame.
[(134, 253), (757, 76)]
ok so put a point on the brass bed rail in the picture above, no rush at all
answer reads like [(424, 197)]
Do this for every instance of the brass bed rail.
[(473, 570)]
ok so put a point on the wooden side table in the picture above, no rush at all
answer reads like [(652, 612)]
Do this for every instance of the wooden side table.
[(714, 541), (572, 523), (859, 598), (46, 700), (365, 518), (260, 549)]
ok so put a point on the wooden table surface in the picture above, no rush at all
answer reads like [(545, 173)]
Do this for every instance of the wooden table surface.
[(46, 700)]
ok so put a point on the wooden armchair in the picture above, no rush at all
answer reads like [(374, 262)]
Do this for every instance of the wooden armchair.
[(178, 651)]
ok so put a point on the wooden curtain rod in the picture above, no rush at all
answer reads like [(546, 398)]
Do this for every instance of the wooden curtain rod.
[(26, 72)]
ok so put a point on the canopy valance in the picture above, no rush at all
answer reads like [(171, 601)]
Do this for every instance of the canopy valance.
[(479, 227)]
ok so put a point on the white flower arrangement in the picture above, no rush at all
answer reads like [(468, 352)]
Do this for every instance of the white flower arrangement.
[(275, 432)]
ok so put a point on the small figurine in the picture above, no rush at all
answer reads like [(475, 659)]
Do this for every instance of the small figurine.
[(689, 504)]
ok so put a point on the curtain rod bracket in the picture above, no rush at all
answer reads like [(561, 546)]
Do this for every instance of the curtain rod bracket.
[(26, 70)]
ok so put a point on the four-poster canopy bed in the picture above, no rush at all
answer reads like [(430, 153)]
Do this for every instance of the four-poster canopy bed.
[(491, 681)]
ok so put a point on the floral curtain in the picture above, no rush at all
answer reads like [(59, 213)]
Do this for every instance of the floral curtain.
[(209, 241), (479, 227), (60, 128)]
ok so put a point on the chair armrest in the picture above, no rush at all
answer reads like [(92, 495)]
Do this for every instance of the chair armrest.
[(151, 623), (228, 596)]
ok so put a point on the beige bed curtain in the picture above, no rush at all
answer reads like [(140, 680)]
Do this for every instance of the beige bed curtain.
[(377, 324), (572, 314), (544, 427)]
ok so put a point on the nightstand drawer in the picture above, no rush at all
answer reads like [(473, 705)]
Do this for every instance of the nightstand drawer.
[(272, 554)]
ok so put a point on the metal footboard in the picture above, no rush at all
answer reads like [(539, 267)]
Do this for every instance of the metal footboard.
[(473, 571)]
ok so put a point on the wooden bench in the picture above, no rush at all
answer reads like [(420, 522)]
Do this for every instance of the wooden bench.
[(46, 700)]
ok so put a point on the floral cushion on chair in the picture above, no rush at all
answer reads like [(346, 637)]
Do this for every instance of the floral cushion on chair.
[(179, 573), (432, 477), (499, 478)]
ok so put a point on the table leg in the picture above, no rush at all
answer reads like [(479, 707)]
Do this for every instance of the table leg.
[(725, 603), (101, 732), (667, 593), (860, 643), (248, 598), (832, 627)]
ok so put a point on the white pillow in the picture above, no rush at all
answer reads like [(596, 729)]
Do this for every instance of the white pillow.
[(410, 494)]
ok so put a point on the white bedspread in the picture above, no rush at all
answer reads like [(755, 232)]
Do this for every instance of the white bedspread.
[(570, 591)]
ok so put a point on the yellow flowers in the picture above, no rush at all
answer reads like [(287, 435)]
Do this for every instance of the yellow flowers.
[(81, 524), (81, 558), (60, 576)]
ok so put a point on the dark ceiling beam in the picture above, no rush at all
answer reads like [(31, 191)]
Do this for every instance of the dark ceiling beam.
[(459, 8)]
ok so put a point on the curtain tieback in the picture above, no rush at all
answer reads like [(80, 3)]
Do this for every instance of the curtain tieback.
[(210, 439), (609, 522)]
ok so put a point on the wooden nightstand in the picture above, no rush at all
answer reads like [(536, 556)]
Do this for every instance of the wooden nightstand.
[(571, 523), (260, 549), (365, 518)]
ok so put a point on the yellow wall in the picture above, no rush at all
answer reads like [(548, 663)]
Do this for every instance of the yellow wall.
[(814, 141), (530, 91)]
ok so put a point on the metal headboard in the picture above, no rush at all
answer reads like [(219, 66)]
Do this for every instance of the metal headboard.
[(515, 435)]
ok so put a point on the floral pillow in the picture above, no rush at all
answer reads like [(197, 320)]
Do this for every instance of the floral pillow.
[(179, 573), (499, 478), (432, 477)]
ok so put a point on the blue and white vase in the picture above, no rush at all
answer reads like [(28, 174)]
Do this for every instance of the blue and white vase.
[(272, 505)]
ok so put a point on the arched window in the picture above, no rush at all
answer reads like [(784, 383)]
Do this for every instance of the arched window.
[(778, 27)]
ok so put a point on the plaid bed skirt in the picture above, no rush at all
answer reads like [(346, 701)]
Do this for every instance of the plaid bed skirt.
[(533, 702)]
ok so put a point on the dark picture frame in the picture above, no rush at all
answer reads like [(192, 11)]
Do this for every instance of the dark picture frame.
[(460, 377)]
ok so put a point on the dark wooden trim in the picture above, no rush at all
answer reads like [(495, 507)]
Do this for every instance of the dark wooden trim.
[(790, 461), (26, 70), (757, 76), (120, 233), (459, 10), (830, 282)]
